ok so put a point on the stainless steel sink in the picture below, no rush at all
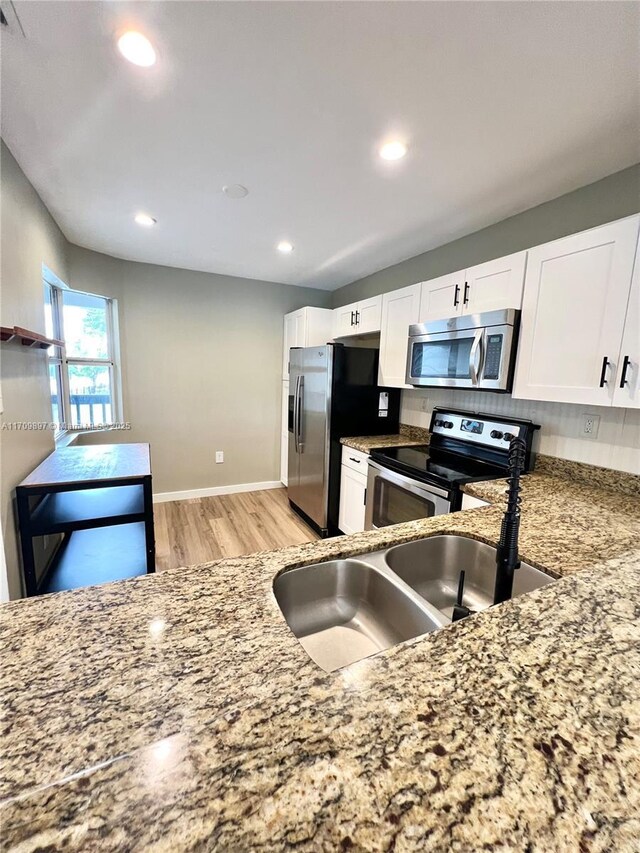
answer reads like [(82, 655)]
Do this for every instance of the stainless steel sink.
[(345, 610), (432, 568)]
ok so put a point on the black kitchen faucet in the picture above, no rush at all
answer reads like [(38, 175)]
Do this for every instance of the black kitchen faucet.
[(507, 560)]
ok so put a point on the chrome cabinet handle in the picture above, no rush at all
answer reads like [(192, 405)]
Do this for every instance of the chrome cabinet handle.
[(626, 364), (603, 372)]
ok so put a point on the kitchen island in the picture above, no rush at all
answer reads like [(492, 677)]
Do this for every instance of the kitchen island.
[(177, 711)]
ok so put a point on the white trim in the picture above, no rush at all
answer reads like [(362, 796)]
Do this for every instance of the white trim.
[(161, 497)]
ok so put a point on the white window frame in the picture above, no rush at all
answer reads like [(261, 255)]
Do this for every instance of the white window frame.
[(60, 357)]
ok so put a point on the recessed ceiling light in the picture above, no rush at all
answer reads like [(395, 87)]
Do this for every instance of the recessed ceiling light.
[(145, 220), (137, 48), (285, 247), (235, 191), (393, 150)]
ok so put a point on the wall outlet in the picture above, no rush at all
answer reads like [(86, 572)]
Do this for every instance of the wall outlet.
[(590, 426), (219, 456), (424, 404)]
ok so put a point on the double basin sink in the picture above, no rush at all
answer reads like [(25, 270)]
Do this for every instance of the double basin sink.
[(344, 610)]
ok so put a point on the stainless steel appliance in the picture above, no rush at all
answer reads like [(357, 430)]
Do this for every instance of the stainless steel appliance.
[(409, 483), (474, 351), (333, 393)]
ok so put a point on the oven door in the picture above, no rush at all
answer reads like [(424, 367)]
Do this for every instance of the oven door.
[(393, 499)]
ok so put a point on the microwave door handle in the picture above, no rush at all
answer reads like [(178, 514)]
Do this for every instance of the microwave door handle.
[(300, 402), (475, 357)]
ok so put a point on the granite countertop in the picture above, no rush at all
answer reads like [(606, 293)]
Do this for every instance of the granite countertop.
[(407, 436), (177, 711)]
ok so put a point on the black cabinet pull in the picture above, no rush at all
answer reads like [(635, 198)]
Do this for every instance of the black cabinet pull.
[(354, 460), (603, 372), (465, 298), (365, 498), (625, 366), (352, 313), (357, 318), (456, 296)]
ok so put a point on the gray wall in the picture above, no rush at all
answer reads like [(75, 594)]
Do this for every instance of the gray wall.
[(202, 361), (603, 201), (29, 238)]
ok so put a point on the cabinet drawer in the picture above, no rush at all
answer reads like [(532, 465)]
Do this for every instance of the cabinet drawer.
[(355, 459)]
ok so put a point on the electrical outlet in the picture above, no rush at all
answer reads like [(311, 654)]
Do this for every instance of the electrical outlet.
[(424, 404), (590, 426), (219, 456)]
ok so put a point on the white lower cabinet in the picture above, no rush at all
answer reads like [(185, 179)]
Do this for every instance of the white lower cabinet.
[(469, 502), (353, 491), (576, 298)]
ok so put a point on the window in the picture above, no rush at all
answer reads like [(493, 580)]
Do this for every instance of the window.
[(83, 374)]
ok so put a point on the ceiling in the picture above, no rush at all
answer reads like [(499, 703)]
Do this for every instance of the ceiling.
[(503, 106)]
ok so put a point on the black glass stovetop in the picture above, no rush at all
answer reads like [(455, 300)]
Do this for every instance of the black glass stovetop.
[(437, 466)]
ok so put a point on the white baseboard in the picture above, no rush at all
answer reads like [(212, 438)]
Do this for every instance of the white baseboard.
[(161, 497)]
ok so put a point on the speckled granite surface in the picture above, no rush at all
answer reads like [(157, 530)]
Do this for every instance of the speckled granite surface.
[(177, 711), (407, 435)]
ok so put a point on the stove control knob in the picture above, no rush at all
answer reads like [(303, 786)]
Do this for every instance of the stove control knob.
[(496, 434), (438, 423), (447, 424), (508, 436)]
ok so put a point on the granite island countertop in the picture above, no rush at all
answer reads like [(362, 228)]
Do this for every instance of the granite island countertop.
[(177, 711)]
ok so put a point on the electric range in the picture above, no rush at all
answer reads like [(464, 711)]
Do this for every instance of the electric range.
[(420, 481)]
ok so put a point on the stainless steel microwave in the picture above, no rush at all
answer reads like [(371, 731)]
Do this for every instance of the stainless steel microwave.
[(473, 351)]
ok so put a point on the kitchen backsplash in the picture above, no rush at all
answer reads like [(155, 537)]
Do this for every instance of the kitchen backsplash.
[(617, 445)]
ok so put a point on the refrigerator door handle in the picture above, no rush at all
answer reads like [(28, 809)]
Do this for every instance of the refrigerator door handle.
[(300, 408), (296, 411)]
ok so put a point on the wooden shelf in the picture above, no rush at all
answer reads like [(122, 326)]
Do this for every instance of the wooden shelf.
[(97, 556), (28, 338), (61, 512)]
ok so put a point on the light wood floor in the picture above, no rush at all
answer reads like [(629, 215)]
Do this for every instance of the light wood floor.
[(202, 529)]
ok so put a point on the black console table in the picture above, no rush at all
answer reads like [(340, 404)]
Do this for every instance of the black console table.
[(100, 498)]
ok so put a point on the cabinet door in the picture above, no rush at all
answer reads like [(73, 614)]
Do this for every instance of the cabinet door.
[(353, 487), (575, 300), (318, 328), (291, 322), (369, 315), (627, 390), (284, 433), (399, 310), (441, 297), (495, 285), (344, 321)]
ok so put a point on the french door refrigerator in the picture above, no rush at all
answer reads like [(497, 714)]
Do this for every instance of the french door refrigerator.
[(333, 393)]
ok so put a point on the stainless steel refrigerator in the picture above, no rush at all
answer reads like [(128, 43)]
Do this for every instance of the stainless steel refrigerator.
[(333, 393)]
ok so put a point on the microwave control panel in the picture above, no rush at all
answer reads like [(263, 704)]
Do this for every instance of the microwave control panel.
[(493, 356)]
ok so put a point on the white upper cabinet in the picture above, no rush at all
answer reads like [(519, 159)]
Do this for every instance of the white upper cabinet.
[(576, 297), (441, 297), (494, 285), (358, 318), (627, 390), (490, 286), (307, 327), (400, 309)]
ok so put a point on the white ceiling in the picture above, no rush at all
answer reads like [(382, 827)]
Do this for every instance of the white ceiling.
[(504, 105)]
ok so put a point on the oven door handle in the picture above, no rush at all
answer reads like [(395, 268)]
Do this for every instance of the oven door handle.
[(475, 357), (417, 487)]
